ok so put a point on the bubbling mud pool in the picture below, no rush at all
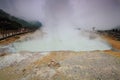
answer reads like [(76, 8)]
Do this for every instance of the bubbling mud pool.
[(79, 41)]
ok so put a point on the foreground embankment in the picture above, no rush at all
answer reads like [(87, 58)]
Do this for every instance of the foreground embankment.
[(61, 65)]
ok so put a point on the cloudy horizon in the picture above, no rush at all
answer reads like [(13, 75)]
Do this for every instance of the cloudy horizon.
[(102, 14)]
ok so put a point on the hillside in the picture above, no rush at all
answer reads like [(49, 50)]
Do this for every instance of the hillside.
[(12, 19)]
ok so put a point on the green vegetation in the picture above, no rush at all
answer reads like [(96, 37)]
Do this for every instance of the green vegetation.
[(10, 22), (11, 26)]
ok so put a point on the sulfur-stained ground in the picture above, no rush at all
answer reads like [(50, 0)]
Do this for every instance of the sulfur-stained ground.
[(95, 65)]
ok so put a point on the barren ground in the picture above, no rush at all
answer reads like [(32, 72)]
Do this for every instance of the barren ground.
[(62, 65)]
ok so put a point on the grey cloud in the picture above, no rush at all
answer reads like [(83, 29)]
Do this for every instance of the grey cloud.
[(103, 14)]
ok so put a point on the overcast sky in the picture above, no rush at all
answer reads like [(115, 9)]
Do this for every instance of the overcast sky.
[(102, 14)]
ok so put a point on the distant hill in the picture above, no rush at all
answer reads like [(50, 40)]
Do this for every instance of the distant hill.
[(23, 23), (3, 14)]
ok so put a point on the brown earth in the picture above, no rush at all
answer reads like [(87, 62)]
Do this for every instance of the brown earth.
[(9, 40), (114, 43)]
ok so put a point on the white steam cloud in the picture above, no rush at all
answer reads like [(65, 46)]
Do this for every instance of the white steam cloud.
[(62, 19), (61, 28)]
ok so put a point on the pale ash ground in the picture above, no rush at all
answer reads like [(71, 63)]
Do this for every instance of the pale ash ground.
[(96, 65)]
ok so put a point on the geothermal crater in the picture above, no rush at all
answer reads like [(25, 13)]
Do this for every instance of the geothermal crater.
[(67, 40)]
